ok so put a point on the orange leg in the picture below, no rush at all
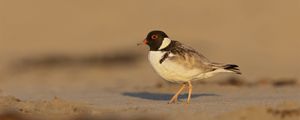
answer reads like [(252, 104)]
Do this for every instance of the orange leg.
[(175, 97), (190, 92)]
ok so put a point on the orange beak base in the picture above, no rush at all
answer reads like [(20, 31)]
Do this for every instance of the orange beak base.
[(145, 42)]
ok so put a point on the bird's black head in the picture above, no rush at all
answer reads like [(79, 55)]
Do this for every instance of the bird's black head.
[(155, 39)]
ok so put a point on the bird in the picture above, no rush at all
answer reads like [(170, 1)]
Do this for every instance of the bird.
[(179, 63)]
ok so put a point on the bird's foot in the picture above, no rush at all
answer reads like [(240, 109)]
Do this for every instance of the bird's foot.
[(173, 101)]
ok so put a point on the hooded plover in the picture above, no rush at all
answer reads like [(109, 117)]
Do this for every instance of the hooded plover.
[(176, 62)]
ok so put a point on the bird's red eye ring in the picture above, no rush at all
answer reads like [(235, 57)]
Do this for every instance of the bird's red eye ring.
[(154, 37)]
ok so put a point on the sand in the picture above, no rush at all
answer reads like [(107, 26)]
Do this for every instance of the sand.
[(78, 60), (77, 90)]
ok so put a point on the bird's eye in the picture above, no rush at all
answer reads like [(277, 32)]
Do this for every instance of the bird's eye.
[(154, 37)]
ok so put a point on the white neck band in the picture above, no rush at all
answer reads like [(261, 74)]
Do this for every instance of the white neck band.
[(164, 43)]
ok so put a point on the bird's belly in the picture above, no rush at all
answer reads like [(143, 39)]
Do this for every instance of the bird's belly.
[(169, 70)]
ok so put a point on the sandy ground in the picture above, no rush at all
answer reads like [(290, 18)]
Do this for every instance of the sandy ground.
[(78, 59), (66, 89)]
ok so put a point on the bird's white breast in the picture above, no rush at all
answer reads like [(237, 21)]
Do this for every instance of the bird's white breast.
[(170, 70)]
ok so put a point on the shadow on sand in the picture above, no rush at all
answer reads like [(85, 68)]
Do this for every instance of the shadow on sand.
[(163, 96)]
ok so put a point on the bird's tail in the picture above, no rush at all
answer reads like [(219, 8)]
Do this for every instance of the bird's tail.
[(228, 67), (232, 67)]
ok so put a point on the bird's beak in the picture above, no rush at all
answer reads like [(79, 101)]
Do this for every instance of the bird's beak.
[(144, 42)]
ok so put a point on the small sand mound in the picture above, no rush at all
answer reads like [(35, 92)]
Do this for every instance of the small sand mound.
[(55, 108), (286, 111)]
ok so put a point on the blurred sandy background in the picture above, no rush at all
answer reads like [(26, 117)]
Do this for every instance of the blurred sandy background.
[(85, 51)]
